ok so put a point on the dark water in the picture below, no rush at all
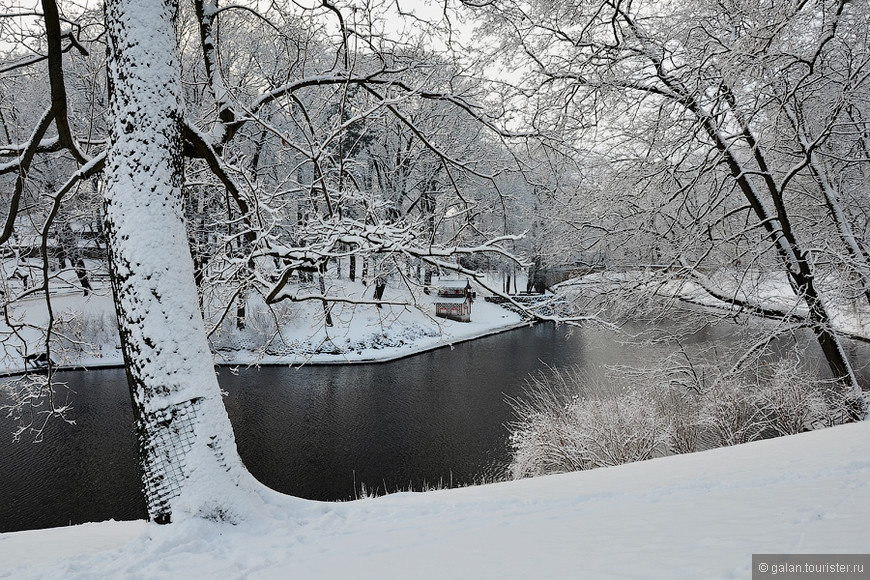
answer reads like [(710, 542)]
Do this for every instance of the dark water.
[(78, 473), (320, 432), (317, 432)]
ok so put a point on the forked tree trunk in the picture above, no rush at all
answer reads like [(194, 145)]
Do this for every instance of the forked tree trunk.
[(187, 450)]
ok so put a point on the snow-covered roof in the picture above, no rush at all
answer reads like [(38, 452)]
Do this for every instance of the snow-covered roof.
[(454, 283), (451, 299)]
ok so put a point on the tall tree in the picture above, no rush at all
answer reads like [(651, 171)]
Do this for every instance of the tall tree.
[(187, 450), (684, 105)]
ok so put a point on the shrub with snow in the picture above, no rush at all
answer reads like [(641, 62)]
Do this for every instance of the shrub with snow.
[(76, 334), (793, 399), (567, 422), (730, 410)]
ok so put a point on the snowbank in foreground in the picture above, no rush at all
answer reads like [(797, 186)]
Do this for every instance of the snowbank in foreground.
[(690, 516)]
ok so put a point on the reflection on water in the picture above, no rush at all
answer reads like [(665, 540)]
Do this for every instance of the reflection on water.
[(78, 473), (317, 432)]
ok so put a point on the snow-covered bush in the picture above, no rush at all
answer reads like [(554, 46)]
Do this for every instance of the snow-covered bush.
[(792, 399), (543, 439), (681, 408), (847, 407), (622, 428), (730, 410), (262, 329), (76, 334), (567, 422), (262, 321)]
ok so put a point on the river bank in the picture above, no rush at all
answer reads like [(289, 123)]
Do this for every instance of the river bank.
[(85, 330), (726, 293)]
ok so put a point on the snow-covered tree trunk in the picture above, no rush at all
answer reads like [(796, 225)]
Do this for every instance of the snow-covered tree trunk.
[(187, 449)]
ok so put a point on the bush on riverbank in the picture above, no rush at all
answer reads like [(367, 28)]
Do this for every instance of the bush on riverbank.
[(569, 421)]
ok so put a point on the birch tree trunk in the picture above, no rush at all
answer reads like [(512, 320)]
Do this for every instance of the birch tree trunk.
[(187, 453)]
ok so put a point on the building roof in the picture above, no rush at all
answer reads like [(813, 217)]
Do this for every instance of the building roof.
[(454, 283), (451, 299)]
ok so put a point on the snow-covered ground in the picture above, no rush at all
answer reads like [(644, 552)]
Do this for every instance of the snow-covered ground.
[(767, 290), (86, 333), (689, 516)]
